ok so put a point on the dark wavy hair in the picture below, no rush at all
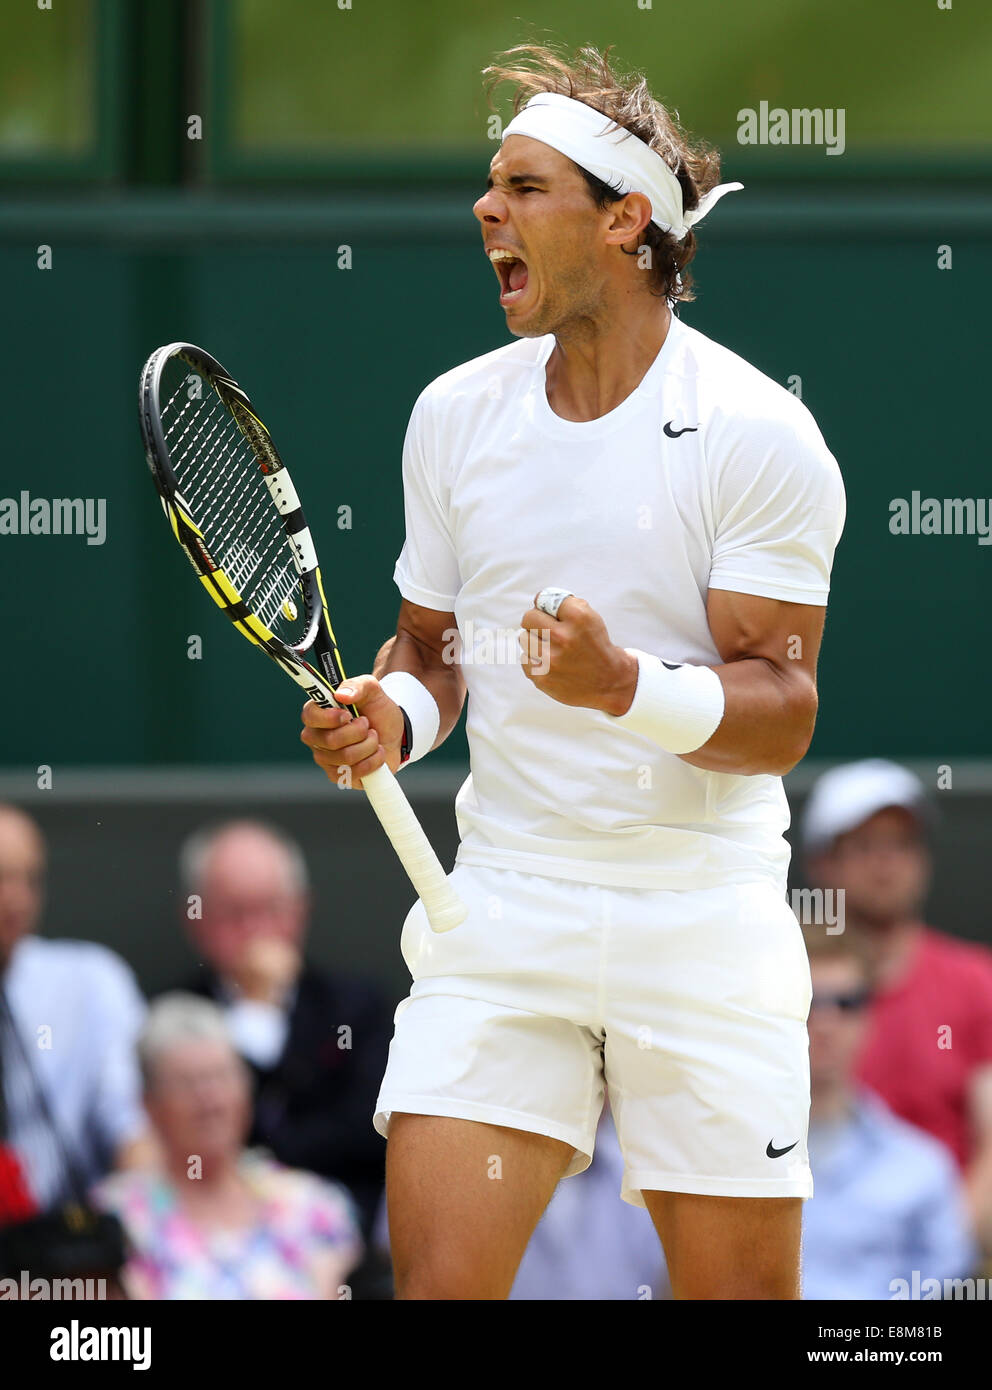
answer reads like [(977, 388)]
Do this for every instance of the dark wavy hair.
[(588, 75)]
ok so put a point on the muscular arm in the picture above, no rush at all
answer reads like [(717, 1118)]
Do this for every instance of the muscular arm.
[(769, 651), (423, 645), (768, 673), (347, 749)]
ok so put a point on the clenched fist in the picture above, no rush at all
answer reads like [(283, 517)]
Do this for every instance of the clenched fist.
[(571, 658)]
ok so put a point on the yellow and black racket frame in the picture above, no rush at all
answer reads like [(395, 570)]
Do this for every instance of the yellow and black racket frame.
[(318, 635)]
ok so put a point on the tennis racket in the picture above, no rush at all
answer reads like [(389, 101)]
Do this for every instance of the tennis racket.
[(234, 510)]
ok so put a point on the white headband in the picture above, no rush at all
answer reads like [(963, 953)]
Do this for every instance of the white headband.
[(615, 155)]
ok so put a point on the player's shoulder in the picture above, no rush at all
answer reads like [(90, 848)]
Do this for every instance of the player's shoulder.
[(754, 433), (491, 375), (735, 395)]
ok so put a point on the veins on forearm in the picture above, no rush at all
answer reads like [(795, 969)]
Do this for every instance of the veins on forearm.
[(767, 724)]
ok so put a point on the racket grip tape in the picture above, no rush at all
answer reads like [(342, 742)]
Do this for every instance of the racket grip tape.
[(443, 906)]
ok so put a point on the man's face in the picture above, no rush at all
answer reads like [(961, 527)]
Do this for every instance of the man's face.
[(22, 863), (836, 1019), (199, 1099), (247, 893), (883, 867), (539, 207)]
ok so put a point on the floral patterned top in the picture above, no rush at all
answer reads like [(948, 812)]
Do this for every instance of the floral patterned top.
[(304, 1222)]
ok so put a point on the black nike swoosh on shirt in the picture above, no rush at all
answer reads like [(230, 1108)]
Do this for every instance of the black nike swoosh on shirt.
[(675, 666), (674, 434), (772, 1152)]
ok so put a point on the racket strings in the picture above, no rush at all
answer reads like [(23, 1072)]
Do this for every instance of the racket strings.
[(218, 476), (275, 593), (208, 489), (227, 461), (203, 442)]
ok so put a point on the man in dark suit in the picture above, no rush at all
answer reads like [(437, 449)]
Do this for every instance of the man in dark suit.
[(317, 1042)]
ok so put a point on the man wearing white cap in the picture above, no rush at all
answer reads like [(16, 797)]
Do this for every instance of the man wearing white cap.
[(659, 519), (928, 1049)]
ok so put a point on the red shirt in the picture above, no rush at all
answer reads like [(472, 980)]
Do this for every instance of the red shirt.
[(928, 1032)]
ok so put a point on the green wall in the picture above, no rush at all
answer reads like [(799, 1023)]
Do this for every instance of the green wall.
[(838, 285), (326, 125)]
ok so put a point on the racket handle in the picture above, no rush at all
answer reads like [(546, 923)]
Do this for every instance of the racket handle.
[(443, 906)]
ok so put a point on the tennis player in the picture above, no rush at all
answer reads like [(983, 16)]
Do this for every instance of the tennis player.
[(657, 520)]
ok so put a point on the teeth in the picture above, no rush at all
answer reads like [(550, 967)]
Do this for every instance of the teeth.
[(499, 254)]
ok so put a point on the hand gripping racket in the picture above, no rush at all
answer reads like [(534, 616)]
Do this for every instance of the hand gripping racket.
[(234, 510)]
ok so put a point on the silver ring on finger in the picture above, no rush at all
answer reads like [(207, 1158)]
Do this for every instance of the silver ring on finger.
[(550, 600)]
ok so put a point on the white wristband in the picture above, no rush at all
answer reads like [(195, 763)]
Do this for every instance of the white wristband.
[(679, 707), (421, 708)]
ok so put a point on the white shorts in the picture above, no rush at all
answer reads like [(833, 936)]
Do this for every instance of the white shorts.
[(690, 1006)]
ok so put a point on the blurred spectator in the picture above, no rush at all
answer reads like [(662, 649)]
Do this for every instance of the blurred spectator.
[(317, 1042), (589, 1244), (70, 1013), (928, 1044), (214, 1221), (887, 1198)]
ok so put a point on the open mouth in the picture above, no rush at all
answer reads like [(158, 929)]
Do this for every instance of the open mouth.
[(512, 272)]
